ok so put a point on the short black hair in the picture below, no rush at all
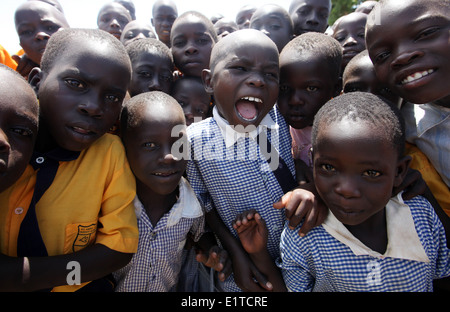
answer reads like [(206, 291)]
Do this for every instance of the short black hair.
[(349, 69), (62, 40), (206, 21), (131, 115), (367, 107), (318, 43), (149, 45), (20, 85)]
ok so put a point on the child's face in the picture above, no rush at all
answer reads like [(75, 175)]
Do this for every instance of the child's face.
[(81, 95), (36, 22), (311, 15), (162, 20), (151, 72), (225, 27), (113, 18), (191, 46), (244, 16), (193, 99), (410, 50), (305, 86), (350, 32), (149, 149), (362, 78), (135, 30), (245, 81), (271, 21), (18, 131), (355, 170)]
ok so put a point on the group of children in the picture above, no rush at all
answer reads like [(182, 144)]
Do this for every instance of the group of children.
[(207, 156)]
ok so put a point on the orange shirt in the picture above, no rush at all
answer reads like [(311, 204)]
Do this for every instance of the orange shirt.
[(90, 201), (434, 181)]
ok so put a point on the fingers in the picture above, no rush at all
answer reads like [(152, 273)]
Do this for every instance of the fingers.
[(243, 218), (261, 279)]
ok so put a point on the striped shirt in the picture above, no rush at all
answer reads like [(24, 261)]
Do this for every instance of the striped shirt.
[(330, 258), (157, 264), (229, 173)]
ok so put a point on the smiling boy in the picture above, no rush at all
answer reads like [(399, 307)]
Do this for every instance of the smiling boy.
[(409, 48)]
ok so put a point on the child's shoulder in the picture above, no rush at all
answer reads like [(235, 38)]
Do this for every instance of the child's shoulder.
[(199, 128), (107, 148)]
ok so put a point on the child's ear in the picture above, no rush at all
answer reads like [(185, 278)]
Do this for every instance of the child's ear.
[(206, 78), (402, 169), (34, 79)]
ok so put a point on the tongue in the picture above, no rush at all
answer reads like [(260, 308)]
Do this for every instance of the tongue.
[(247, 110)]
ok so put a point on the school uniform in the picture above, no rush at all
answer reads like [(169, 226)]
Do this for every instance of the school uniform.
[(330, 258), (89, 200), (229, 172), (429, 174), (428, 127), (157, 264)]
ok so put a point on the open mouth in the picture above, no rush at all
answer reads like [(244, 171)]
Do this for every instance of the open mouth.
[(416, 76), (247, 108)]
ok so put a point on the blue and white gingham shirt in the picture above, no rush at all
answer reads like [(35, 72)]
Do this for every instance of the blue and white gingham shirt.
[(228, 173), (157, 264), (330, 258)]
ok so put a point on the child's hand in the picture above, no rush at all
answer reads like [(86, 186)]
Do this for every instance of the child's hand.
[(412, 185), (303, 203), (217, 258), (24, 64), (252, 231)]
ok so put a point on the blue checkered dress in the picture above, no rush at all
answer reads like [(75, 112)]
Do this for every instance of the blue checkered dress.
[(319, 262), (238, 182), (157, 263)]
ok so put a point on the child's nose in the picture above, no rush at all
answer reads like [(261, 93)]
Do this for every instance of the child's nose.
[(91, 107), (347, 187), (312, 19), (350, 41), (41, 35), (297, 98), (191, 49), (5, 147), (405, 58), (256, 80), (154, 84), (114, 23)]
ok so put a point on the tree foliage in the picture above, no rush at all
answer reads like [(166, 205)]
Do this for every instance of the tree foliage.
[(342, 7)]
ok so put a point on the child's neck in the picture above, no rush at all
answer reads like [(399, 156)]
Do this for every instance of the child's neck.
[(444, 102), (372, 232), (155, 205), (44, 141)]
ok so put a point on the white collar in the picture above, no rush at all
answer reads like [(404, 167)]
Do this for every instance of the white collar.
[(403, 241), (231, 136), (187, 205)]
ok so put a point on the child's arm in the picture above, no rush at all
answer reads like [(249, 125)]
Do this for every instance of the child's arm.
[(303, 202), (252, 232), (243, 268), (95, 262), (213, 256)]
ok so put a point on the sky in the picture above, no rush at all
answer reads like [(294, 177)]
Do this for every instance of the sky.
[(83, 13)]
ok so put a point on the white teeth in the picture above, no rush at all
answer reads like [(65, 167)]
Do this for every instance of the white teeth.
[(416, 76), (252, 99)]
